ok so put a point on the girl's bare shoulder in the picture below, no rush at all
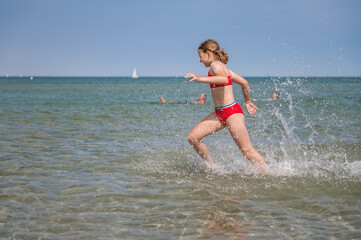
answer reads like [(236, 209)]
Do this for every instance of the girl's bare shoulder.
[(218, 67)]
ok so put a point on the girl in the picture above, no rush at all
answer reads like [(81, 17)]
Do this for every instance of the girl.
[(227, 112)]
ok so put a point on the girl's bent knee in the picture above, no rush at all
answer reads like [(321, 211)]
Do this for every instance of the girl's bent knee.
[(192, 140)]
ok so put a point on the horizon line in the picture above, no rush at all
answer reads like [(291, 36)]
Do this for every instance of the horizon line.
[(174, 76)]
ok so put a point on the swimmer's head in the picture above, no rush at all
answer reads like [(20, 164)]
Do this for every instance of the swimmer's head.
[(203, 96), (276, 95)]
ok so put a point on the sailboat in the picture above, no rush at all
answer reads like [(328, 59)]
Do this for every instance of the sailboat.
[(134, 75)]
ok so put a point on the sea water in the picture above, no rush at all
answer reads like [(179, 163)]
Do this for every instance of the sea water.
[(102, 158)]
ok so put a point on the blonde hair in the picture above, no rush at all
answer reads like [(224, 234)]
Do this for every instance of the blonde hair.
[(213, 46)]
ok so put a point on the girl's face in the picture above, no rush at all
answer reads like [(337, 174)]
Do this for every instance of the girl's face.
[(205, 58)]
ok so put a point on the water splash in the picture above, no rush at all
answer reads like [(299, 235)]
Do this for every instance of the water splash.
[(299, 136)]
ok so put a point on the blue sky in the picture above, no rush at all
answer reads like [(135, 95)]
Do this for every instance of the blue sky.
[(160, 38)]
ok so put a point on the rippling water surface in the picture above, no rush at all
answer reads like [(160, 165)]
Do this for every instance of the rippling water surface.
[(102, 158)]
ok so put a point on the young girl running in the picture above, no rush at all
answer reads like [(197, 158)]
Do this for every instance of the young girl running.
[(227, 112)]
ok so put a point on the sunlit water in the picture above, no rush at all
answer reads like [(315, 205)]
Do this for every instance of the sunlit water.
[(102, 158)]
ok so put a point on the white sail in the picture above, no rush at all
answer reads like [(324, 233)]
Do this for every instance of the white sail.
[(134, 75)]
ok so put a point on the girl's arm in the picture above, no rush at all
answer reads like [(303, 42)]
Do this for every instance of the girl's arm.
[(246, 92), (244, 84), (212, 80), (220, 77)]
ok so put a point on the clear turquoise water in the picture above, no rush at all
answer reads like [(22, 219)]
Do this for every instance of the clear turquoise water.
[(101, 158)]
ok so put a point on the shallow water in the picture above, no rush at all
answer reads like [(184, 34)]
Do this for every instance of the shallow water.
[(101, 158)]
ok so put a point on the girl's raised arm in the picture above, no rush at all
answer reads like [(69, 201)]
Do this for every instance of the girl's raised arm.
[(220, 77)]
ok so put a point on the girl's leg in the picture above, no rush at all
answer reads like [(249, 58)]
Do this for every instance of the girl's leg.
[(207, 126), (238, 130)]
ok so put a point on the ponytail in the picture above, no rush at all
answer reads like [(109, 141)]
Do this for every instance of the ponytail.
[(222, 55)]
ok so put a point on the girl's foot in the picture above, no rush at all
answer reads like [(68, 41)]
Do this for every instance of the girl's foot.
[(204, 166)]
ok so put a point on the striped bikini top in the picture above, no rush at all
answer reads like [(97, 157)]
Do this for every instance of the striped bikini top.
[(220, 85)]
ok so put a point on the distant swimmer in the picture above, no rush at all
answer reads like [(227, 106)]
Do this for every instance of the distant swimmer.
[(201, 100), (228, 113), (275, 96)]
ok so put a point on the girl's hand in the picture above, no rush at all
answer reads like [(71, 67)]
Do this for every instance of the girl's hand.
[(251, 108), (193, 76)]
